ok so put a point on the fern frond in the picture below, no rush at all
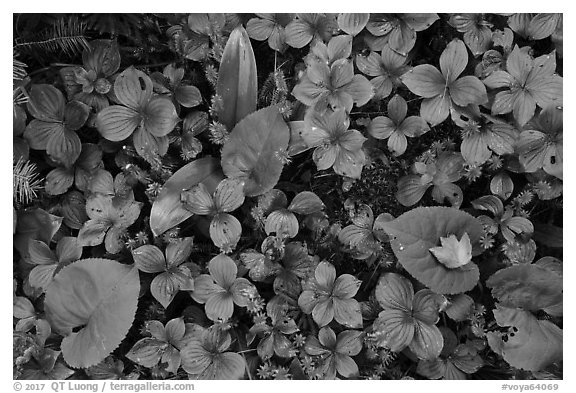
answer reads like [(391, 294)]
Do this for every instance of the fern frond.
[(25, 181), (127, 25), (66, 34), (18, 69)]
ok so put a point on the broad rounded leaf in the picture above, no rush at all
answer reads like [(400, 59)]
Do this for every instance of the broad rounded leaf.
[(536, 344), (98, 295), (415, 232), (167, 210), (529, 287), (253, 151)]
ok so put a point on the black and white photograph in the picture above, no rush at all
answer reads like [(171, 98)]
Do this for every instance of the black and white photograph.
[(287, 196)]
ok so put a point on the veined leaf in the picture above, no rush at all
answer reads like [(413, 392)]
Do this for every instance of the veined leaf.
[(237, 79), (415, 232), (535, 345), (253, 151), (99, 296), (167, 210)]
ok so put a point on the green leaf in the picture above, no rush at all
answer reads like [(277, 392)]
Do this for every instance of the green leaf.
[(167, 210), (453, 253), (529, 287), (535, 345), (252, 153), (237, 79), (415, 232), (99, 296)]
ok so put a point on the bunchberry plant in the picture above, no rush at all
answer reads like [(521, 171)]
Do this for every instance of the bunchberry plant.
[(396, 126), (335, 352), (174, 273), (327, 297), (444, 89), (149, 118), (335, 145), (408, 319), (221, 289), (386, 68), (270, 27), (93, 83), (527, 82), (55, 124), (225, 229), (400, 29)]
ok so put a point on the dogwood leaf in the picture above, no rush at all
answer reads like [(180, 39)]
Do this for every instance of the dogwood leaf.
[(353, 24), (99, 296)]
